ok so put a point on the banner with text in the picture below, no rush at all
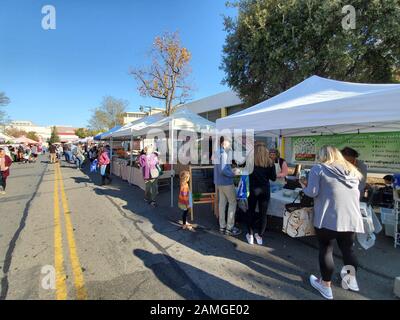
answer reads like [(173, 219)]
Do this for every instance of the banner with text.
[(380, 151)]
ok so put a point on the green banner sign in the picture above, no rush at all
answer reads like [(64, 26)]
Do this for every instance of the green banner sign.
[(380, 151)]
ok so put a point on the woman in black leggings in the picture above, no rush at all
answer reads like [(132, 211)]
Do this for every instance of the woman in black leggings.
[(326, 240), (337, 217), (264, 171)]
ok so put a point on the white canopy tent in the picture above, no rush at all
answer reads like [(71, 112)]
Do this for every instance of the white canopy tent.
[(132, 128), (322, 106), (182, 119), (6, 138)]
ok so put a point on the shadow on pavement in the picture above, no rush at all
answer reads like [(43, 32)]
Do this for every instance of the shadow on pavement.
[(181, 283)]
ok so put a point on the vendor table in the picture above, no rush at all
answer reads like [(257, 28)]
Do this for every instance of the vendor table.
[(137, 177), (278, 201)]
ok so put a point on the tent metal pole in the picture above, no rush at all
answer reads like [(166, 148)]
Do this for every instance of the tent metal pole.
[(131, 161), (111, 153), (172, 162)]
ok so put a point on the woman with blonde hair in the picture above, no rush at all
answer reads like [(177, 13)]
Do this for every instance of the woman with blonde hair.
[(260, 193), (333, 183)]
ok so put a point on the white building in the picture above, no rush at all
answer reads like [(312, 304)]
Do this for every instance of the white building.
[(216, 106), (43, 132), (135, 115), (66, 133)]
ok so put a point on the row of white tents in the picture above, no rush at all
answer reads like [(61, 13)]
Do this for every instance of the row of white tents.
[(316, 106), (182, 119)]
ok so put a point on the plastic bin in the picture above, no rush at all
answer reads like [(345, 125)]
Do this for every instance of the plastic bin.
[(388, 216), (390, 230)]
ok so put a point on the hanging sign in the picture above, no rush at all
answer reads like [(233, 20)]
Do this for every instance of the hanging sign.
[(379, 151)]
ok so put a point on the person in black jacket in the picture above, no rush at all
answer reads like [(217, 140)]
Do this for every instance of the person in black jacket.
[(264, 171)]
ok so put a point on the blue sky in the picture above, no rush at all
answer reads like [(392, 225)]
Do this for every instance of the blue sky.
[(58, 76)]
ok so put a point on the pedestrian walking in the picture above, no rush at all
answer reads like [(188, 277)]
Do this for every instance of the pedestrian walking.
[(79, 156), (260, 193), (53, 153), (5, 163), (184, 199), (149, 163), (223, 180), (104, 164), (334, 183)]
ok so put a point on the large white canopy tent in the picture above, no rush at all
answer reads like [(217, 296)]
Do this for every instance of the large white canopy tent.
[(132, 128), (5, 138), (322, 106), (182, 119)]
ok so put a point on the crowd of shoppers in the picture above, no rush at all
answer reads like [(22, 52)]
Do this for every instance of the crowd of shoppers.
[(335, 183)]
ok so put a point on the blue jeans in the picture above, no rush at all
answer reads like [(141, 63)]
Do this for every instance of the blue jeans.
[(78, 162)]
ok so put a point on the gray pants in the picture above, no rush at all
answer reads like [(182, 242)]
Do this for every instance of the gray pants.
[(151, 189), (227, 194)]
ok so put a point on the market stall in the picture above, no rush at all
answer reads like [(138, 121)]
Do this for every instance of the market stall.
[(26, 141), (180, 120), (5, 138), (328, 110)]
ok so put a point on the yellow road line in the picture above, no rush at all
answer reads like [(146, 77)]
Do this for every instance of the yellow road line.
[(61, 287), (76, 266)]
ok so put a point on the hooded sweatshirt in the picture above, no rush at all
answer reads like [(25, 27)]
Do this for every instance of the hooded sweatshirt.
[(336, 199)]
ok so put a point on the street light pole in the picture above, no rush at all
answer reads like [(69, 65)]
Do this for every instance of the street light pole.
[(142, 108)]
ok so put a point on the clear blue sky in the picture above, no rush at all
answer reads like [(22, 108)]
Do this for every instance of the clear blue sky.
[(58, 76)]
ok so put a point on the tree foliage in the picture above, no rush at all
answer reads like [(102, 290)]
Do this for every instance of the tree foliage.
[(4, 100), (54, 137), (33, 136), (108, 115), (82, 132), (166, 78), (85, 132), (275, 44), (16, 133)]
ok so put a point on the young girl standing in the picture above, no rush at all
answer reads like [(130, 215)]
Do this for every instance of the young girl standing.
[(183, 199)]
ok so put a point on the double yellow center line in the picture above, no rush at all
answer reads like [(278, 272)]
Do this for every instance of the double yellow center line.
[(79, 282)]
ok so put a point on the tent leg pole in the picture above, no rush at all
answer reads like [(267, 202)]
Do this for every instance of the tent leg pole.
[(130, 164), (172, 162)]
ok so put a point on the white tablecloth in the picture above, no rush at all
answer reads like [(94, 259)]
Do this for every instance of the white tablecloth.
[(277, 203)]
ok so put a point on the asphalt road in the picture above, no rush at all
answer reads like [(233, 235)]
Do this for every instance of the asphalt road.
[(62, 236)]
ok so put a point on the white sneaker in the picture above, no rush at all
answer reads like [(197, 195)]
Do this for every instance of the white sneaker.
[(258, 239), (326, 292), (250, 239), (350, 283)]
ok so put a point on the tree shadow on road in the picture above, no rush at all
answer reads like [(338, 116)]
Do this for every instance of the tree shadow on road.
[(173, 277), (208, 242)]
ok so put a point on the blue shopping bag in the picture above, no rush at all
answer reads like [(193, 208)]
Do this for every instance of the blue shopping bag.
[(241, 192), (93, 166)]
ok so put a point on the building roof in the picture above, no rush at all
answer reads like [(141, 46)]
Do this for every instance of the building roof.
[(214, 102)]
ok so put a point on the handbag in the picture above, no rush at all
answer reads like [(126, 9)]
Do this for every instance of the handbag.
[(154, 173), (298, 221), (103, 170)]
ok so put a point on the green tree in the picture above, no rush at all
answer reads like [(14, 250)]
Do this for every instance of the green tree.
[(82, 133), (274, 44), (16, 133), (33, 136), (54, 136), (109, 114), (4, 100)]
